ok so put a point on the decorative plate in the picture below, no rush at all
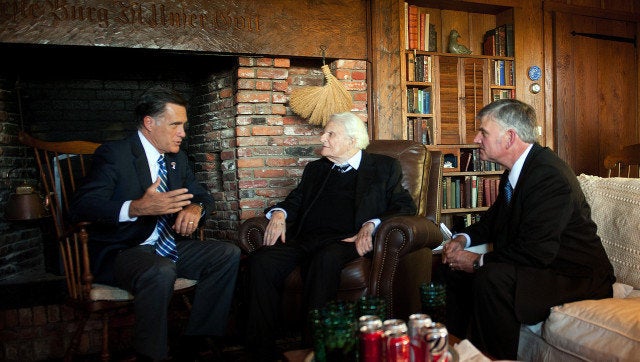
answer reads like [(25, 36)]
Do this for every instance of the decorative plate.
[(534, 72)]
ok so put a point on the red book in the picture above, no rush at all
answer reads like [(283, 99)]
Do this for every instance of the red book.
[(417, 130), (467, 192), (494, 189), (501, 41), (486, 187), (489, 45), (412, 27), (423, 19)]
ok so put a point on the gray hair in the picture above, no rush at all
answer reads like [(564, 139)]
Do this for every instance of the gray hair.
[(354, 127), (512, 114)]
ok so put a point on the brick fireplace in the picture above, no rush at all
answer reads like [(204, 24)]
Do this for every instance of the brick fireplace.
[(245, 144)]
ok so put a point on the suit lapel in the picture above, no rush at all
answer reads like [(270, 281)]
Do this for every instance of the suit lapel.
[(366, 174), (510, 217), (535, 150), (172, 170), (140, 163)]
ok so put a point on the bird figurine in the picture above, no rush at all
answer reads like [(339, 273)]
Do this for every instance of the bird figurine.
[(454, 47)]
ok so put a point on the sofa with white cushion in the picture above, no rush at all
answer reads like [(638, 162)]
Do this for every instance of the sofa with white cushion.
[(607, 329)]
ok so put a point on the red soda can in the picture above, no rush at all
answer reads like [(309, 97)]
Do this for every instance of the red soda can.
[(371, 338), (418, 324), (437, 339), (396, 341)]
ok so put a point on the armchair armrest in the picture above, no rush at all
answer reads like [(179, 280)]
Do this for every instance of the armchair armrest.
[(251, 233), (404, 234), (396, 238)]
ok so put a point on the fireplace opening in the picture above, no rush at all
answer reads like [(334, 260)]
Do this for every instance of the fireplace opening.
[(89, 92)]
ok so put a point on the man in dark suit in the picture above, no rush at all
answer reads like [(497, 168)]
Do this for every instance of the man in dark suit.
[(139, 218), (325, 222), (545, 247)]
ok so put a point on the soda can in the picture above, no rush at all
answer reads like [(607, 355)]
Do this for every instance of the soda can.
[(371, 338), (437, 339), (418, 324), (396, 341)]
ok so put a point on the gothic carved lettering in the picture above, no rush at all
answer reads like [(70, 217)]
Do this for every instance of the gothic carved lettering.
[(140, 14), (266, 27)]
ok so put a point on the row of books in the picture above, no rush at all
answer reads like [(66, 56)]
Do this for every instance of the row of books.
[(469, 191), (502, 72), (461, 221), (420, 130), (419, 100), (503, 94), (470, 161), (418, 68), (499, 41), (419, 34)]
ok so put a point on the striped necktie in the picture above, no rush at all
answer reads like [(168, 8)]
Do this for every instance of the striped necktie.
[(343, 168), (508, 192), (166, 244)]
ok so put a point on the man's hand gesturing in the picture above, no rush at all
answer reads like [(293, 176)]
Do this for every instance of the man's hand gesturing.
[(153, 202)]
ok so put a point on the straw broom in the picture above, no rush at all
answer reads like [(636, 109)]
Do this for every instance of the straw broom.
[(318, 103)]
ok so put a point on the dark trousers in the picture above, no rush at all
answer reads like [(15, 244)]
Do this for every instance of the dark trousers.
[(480, 307), (268, 269), (150, 278)]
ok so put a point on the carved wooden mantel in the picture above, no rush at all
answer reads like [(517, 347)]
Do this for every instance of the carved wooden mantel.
[(288, 28)]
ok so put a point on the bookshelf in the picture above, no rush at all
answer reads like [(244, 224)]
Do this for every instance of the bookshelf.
[(469, 185), (442, 92)]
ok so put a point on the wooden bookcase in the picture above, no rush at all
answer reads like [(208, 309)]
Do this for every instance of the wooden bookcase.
[(442, 92), (469, 185)]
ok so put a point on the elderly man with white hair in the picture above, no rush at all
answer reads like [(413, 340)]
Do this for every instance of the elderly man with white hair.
[(328, 220)]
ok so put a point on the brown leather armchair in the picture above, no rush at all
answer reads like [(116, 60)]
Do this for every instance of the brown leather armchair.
[(401, 258)]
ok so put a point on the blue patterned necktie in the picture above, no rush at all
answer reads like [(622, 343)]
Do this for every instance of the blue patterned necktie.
[(508, 192), (166, 244)]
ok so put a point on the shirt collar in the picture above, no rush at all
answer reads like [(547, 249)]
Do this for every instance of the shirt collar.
[(355, 160), (152, 155), (514, 173)]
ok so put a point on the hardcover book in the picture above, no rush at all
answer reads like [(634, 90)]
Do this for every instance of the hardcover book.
[(411, 67), (509, 43), (412, 26)]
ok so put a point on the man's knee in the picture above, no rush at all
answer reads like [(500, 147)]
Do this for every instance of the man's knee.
[(161, 274), (325, 260), (262, 266), (494, 275)]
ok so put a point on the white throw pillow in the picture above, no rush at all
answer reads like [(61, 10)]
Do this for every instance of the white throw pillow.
[(615, 208)]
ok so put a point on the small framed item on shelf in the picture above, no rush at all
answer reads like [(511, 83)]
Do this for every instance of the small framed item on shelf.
[(451, 157)]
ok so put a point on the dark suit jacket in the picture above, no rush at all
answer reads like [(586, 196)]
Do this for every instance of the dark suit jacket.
[(548, 234), (120, 172), (379, 191)]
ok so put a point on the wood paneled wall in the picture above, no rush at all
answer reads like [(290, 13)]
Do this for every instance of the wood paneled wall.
[(595, 89)]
